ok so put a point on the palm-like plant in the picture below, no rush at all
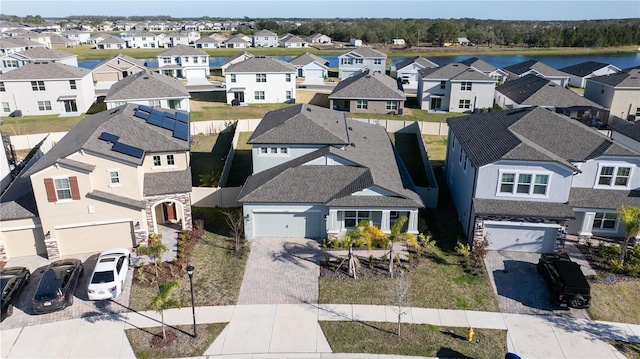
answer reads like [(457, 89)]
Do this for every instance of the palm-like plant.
[(397, 235), (154, 249), (161, 301), (630, 217)]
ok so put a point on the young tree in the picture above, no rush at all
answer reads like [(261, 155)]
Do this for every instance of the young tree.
[(154, 250), (399, 296), (235, 221), (397, 235), (161, 301), (630, 217)]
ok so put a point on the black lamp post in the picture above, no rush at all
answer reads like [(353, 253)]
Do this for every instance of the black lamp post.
[(190, 269)]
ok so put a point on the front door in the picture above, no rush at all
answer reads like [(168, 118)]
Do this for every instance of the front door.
[(436, 103), (169, 210), (239, 96), (70, 106)]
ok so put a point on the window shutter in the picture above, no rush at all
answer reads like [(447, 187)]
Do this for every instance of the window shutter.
[(51, 190), (75, 192)]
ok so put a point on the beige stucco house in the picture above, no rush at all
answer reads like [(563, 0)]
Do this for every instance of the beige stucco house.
[(117, 68), (619, 93)]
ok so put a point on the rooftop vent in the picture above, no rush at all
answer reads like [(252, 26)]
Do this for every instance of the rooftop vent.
[(309, 109), (353, 144), (146, 77), (350, 128)]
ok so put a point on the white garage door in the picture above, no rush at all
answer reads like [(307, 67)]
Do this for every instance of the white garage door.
[(193, 73), (25, 242), (288, 225), (521, 238), (94, 238), (314, 73)]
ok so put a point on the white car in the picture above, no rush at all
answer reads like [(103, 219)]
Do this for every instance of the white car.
[(109, 274)]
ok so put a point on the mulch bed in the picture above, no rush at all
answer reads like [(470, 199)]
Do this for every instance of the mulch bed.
[(370, 267)]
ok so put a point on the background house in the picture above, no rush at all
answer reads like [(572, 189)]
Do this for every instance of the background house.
[(184, 62), (36, 54), (111, 42), (619, 93), (368, 92), (579, 73), (234, 60), (486, 68), (407, 71), (318, 38), (151, 89), (117, 68), (291, 41), (537, 68), (264, 38), (311, 66), (260, 79), (359, 59)]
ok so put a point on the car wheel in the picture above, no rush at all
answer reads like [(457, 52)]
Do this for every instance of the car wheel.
[(10, 310), (577, 301), (70, 302)]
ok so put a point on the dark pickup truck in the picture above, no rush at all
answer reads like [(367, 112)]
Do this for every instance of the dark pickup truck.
[(566, 282)]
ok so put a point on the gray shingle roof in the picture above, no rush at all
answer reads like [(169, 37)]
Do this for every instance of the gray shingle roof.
[(121, 122), (496, 207), (76, 164), (584, 68), (291, 39), (17, 42), (308, 58), (603, 198), (631, 130), (454, 72), (368, 85), (532, 90), (45, 71), (182, 50), (242, 54), (44, 53), (531, 133), (301, 124), (261, 64), (17, 201), (365, 51), (265, 33), (167, 182), (123, 57), (627, 79), (147, 85), (479, 64), (417, 59), (112, 40), (538, 66), (116, 199), (237, 38)]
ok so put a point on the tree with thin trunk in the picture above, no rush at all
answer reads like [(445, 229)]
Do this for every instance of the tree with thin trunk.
[(399, 296), (397, 235), (161, 301), (154, 250), (235, 221), (630, 217)]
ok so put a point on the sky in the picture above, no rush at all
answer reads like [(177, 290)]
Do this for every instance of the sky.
[(430, 9)]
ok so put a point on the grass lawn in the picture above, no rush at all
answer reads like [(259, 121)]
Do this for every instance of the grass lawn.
[(184, 345), (436, 149), (37, 124), (415, 340), (407, 146), (242, 166), (629, 350), (207, 152), (617, 302)]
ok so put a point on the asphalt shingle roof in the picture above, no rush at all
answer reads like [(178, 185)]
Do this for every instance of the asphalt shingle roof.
[(532, 90), (17, 201), (167, 182), (112, 40), (44, 53), (631, 130), (147, 85), (538, 66), (603, 198), (182, 50), (368, 85), (45, 71), (627, 79), (242, 54), (116, 199), (537, 209), (531, 133), (308, 58), (584, 68), (265, 33), (417, 59), (123, 57), (479, 64), (364, 51), (454, 72), (261, 64)]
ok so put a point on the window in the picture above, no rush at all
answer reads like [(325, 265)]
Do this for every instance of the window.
[(464, 104), (72, 84), (259, 95), (263, 150), (284, 150), (2, 89), (288, 95), (6, 107), (614, 176), (287, 77), (166, 60), (637, 109), (174, 104), (352, 218), (465, 86), (154, 103), (156, 161), (377, 61), (524, 183), (195, 59), (63, 188), (70, 106), (37, 85), (362, 104), (171, 160), (114, 177), (605, 221), (358, 61), (203, 59), (44, 105), (392, 105), (186, 59), (261, 77), (443, 84), (232, 77)]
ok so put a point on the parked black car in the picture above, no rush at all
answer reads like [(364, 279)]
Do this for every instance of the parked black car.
[(566, 282), (56, 287), (13, 280)]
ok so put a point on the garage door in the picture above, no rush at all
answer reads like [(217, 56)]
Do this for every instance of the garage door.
[(192, 73), (26, 242), (314, 73), (94, 238), (288, 225), (521, 238)]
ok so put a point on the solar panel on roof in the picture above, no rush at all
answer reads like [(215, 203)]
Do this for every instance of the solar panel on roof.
[(127, 150), (182, 117), (182, 127), (142, 115), (181, 135), (145, 108), (168, 123), (155, 121), (170, 115), (109, 137)]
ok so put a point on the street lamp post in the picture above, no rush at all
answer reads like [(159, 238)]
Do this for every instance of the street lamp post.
[(190, 269)]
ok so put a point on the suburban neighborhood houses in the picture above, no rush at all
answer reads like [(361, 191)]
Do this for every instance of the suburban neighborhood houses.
[(293, 180)]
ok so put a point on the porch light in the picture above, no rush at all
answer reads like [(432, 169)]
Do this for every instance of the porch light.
[(137, 225), (48, 235)]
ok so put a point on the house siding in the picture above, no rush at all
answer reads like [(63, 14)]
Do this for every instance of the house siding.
[(590, 172), (263, 162), (460, 181), (275, 88)]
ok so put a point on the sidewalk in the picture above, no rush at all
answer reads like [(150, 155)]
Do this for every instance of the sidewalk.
[(292, 331)]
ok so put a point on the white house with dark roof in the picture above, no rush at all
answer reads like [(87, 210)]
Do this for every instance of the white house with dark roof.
[(532, 90), (311, 66), (238, 41), (151, 89), (619, 93), (208, 43), (317, 175), (359, 59), (47, 89), (291, 41), (407, 71), (36, 54), (116, 177), (264, 38), (318, 38), (539, 69), (627, 134), (521, 178), (495, 73), (260, 79), (579, 73), (454, 87), (368, 92), (184, 62), (110, 43)]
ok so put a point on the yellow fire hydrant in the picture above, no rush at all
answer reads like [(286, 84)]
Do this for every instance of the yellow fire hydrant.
[(470, 334)]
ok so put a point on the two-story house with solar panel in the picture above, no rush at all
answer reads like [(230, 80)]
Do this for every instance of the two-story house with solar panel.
[(116, 177)]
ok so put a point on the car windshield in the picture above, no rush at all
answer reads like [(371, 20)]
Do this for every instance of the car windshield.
[(102, 277)]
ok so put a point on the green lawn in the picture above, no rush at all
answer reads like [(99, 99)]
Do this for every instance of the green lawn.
[(615, 302), (436, 149), (414, 340), (242, 166), (207, 155), (37, 124)]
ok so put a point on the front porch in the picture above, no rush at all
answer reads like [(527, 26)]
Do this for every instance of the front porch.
[(340, 221)]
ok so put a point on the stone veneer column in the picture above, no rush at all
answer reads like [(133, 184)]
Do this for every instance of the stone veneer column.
[(478, 230), (183, 198), (3, 252), (53, 252)]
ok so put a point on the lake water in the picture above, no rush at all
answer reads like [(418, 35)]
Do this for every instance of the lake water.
[(623, 61)]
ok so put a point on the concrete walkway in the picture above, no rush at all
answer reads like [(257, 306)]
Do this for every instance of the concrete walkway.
[(292, 331)]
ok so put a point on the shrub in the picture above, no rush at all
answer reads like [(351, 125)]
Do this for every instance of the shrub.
[(616, 266), (463, 249)]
